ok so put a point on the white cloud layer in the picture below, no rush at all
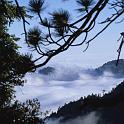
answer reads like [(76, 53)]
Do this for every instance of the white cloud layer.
[(65, 85)]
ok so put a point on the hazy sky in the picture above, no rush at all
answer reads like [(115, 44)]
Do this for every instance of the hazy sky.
[(101, 50)]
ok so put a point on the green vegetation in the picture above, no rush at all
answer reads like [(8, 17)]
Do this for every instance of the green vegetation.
[(13, 67)]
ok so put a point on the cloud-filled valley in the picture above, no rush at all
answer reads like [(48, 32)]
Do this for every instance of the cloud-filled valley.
[(63, 85)]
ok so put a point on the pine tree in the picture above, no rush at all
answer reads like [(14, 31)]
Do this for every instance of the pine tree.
[(13, 67)]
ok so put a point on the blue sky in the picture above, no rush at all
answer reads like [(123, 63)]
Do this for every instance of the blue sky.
[(101, 50)]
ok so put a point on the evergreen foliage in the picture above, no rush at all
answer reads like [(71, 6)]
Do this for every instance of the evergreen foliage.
[(13, 67)]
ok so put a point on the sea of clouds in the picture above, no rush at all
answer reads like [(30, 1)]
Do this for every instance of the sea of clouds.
[(67, 83)]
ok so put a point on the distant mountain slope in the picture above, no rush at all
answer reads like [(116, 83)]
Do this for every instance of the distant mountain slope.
[(109, 107), (47, 70), (109, 69), (73, 73), (60, 73)]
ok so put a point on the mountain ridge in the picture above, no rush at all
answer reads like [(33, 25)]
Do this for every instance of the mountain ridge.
[(106, 105), (107, 69)]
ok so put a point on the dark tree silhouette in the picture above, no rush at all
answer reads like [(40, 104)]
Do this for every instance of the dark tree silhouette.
[(105, 106), (13, 67)]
